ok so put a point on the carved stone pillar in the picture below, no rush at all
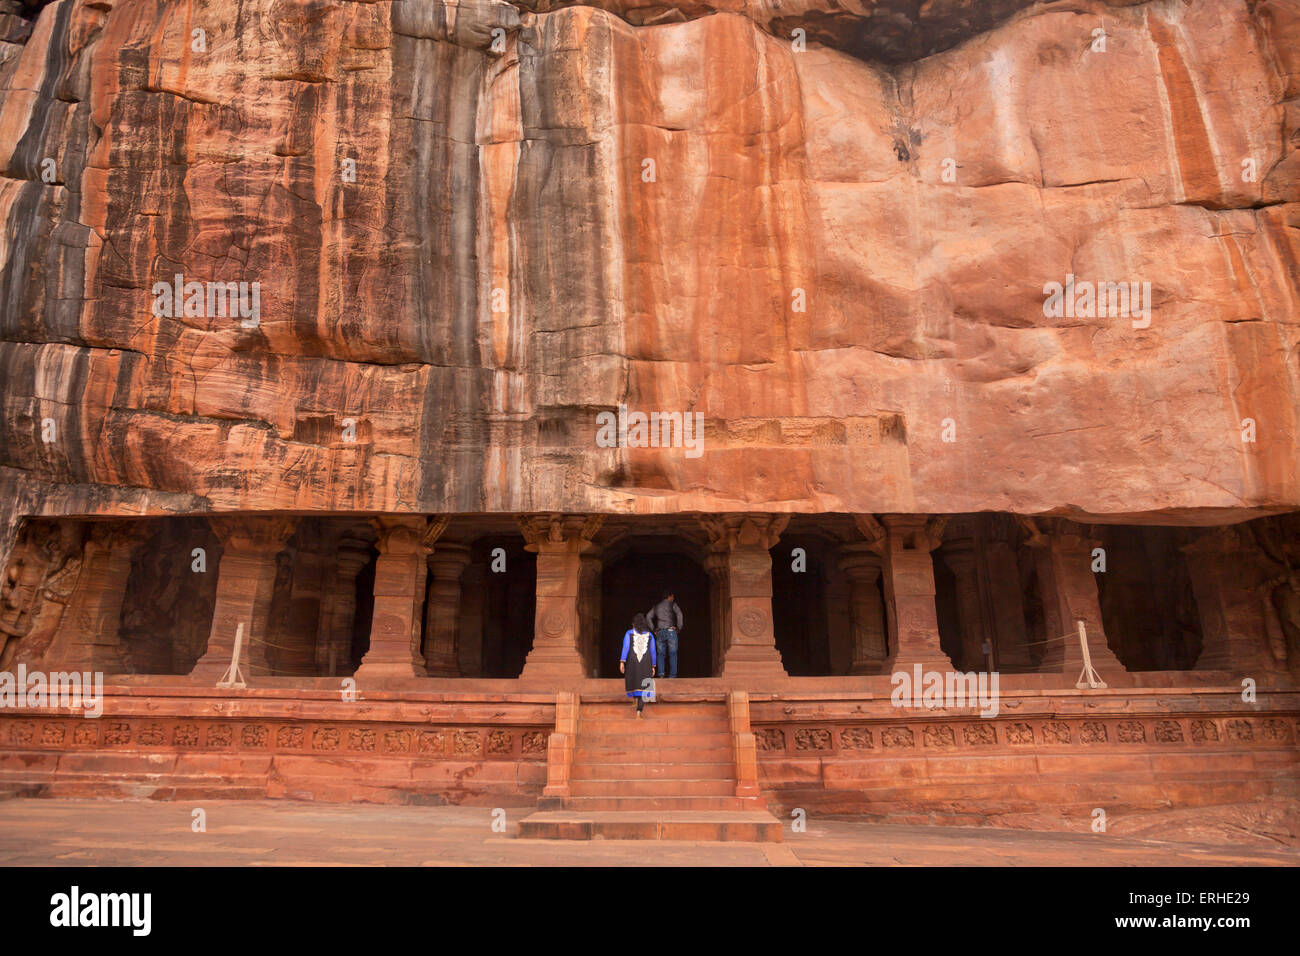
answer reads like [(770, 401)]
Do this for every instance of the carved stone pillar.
[(1069, 591), (719, 606), (88, 636), (245, 583), (401, 575), (909, 592), (559, 541), (961, 560), (590, 571), (862, 564), (441, 651), (339, 603), (1000, 570), (744, 540), (1226, 580), (469, 630), (299, 631)]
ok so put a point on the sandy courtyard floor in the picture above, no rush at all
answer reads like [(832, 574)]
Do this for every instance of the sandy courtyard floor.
[(283, 833)]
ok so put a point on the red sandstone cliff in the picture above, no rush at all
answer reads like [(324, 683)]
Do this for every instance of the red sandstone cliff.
[(500, 270)]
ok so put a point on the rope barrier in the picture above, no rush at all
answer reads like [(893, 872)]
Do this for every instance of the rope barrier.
[(234, 675), (281, 647), (1052, 640)]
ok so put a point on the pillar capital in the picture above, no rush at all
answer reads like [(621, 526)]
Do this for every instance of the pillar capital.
[(253, 534), (861, 561), (732, 532), (352, 551), (914, 532), (407, 534), (1059, 534), (449, 559), (551, 532)]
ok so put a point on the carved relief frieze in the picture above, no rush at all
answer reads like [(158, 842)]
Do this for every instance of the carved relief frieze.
[(252, 735)]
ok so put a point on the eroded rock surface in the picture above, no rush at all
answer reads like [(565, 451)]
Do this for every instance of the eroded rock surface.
[(839, 261)]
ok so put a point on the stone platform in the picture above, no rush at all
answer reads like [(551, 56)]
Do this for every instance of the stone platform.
[(837, 745)]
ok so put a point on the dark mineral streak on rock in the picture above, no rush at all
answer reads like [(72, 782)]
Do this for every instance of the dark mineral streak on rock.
[(517, 165)]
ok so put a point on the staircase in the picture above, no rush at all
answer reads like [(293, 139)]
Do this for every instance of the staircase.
[(671, 775)]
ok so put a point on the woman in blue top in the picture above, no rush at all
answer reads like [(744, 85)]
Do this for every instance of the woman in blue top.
[(637, 662)]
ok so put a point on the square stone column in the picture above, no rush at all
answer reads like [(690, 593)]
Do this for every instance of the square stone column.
[(559, 541), (590, 573), (1000, 567), (862, 565), (743, 541), (298, 630), (352, 551), (1228, 580), (442, 613), (963, 562), (469, 626), (715, 563), (88, 636), (909, 592), (245, 583), (401, 577), (1069, 591)]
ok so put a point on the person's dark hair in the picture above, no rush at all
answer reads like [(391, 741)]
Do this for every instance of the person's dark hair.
[(639, 623), (667, 595)]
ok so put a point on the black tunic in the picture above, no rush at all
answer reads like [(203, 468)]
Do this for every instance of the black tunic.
[(636, 669)]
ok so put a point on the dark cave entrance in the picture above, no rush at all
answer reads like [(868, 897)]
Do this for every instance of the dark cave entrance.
[(634, 583)]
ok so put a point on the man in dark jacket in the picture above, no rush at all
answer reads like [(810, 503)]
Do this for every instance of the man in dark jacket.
[(666, 619)]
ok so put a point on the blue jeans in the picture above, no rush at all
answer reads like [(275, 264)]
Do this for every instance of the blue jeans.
[(666, 647)]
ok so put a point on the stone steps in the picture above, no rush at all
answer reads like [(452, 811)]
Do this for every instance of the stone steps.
[(653, 726), (645, 787), (643, 741), (705, 709), (670, 775), (680, 802), (654, 770), (695, 826), (614, 753)]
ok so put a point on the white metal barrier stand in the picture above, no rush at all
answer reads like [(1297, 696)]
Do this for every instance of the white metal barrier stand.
[(234, 677), (1088, 677)]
